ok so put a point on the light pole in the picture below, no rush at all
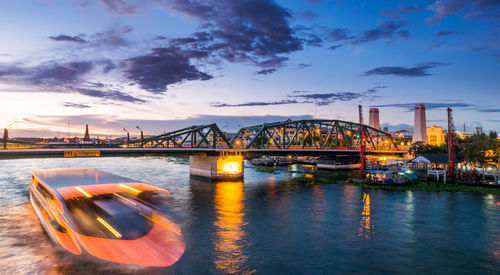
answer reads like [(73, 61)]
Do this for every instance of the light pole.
[(142, 136), (128, 135)]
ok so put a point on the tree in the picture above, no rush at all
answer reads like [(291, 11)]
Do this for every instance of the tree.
[(419, 148)]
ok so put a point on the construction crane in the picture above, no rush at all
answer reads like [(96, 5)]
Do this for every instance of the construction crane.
[(361, 143), (452, 143)]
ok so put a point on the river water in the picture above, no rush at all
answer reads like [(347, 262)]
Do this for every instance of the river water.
[(269, 224)]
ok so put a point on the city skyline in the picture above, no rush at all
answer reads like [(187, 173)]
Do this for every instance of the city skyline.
[(164, 65)]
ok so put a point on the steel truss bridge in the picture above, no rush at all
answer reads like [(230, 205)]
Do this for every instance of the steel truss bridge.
[(285, 135)]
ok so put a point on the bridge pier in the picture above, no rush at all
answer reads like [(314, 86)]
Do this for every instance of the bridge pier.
[(228, 166)]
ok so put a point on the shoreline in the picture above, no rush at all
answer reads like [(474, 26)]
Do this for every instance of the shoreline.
[(419, 186)]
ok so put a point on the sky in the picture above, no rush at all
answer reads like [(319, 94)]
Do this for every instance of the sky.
[(161, 65)]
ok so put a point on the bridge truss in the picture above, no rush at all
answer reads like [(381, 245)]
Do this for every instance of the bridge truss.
[(312, 134), (197, 136)]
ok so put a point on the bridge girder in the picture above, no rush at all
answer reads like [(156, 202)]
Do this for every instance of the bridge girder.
[(196, 136), (312, 134)]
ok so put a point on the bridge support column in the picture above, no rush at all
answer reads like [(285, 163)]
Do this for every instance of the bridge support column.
[(224, 167)]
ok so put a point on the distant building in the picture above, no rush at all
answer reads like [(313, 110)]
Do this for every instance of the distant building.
[(87, 135), (479, 130), (374, 118), (435, 136), (420, 128)]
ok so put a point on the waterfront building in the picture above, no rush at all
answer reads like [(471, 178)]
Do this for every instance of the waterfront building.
[(435, 136)]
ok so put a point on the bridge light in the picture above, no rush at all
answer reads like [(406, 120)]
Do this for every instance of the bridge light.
[(357, 136), (371, 136)]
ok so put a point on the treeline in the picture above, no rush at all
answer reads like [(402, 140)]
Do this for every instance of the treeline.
[(479, 148)]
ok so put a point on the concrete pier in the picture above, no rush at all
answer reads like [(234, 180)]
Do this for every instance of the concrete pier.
[(228, 166)]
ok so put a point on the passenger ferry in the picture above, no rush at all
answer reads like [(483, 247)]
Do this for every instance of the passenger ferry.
[(337, 165), (113, 218)]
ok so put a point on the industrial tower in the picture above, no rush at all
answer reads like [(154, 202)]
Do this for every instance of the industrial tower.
[(420, 127), (374, 118)]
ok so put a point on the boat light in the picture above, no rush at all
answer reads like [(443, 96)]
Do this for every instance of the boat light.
[(125, 199), (109, 227), (83, 192), (130, 188)]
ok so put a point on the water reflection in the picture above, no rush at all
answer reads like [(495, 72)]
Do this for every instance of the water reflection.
[(229, 223), (366, 227)]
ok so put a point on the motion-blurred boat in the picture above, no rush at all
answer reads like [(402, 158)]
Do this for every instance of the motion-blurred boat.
[(87, 211)]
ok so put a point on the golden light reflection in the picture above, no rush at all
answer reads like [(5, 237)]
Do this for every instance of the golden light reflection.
[(366, 227), (229, 207), (109, 227), (130, 188), (231, 165), (83, 192), (125, 199)]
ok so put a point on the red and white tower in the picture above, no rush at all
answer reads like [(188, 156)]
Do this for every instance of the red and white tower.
[(420, 127)]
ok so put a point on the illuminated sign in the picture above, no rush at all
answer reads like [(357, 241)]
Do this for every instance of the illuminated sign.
[(82, 153)]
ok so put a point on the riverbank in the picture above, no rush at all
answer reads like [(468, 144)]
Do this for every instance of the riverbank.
[(342, 178)]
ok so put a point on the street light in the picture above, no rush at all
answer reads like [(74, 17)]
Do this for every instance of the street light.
[(128, 135), (142, 136)]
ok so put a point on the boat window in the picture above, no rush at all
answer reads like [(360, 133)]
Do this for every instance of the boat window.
[(45, 193), (114, 216)]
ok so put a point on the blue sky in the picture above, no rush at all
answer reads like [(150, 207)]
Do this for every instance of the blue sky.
[(165, 64)]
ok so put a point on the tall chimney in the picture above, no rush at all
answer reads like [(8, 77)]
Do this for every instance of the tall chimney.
[(374, 118), (420, 127)]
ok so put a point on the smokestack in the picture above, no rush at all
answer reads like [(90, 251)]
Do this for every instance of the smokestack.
[(420, 127), (374, 118)]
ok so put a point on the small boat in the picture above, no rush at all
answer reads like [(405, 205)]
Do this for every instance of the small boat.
[(109, 217), (273, 161), (337, 165)]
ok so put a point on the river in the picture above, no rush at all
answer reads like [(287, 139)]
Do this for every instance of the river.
[(269, 224)]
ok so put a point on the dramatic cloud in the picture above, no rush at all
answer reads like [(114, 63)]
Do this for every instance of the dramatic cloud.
[(402, 11), (385, 30), (68, 38), (472, 9), (266, 71), (329, 98), (242, 31), (303, 65), (64, 78), (429, 106), (334, 47), (438, 34), (75, 105), (308, 97), (418, 70), (119, 6), (108, 94), (162, 67), (339, 34), (255, 103)]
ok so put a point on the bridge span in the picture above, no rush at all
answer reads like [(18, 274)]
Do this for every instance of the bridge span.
[(119, 152), (213, 155)]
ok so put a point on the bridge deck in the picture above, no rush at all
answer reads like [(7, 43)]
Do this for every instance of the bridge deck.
[(110, 152)]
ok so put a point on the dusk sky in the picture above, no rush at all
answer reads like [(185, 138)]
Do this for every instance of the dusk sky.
[(166, 64)]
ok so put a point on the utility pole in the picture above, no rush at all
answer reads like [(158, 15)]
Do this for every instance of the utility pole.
[(361, 143), (452, 142)]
